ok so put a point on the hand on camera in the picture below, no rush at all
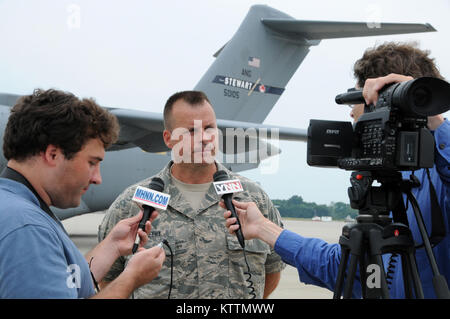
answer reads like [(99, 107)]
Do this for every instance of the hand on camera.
[(373, 86)]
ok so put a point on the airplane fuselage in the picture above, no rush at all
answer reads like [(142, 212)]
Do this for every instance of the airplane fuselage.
[(243, 84), (4, 114)]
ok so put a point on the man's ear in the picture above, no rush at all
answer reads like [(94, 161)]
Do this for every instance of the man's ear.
[(167, 136), (52, 155)]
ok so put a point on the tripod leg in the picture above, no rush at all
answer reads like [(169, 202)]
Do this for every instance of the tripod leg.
[(376, 248), (383, 282), (415, 276), (363, 275), (351, 276), (439, 282), (407, 276), (341, 273), (355, 244)]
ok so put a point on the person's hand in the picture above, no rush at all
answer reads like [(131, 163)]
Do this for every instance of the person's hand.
[(250, 218), (145, 265), (123, 235), (435, 121), (373, 86)]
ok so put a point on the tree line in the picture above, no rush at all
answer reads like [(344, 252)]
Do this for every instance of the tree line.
[(297, 208)]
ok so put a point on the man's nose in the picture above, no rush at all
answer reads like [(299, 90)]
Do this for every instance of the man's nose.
[(96, 177)]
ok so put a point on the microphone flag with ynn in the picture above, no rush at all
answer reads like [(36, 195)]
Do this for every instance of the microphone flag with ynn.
[(226, 188), (149, 199)]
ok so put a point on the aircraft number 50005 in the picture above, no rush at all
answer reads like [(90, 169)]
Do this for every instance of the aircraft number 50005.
[(231, 93)]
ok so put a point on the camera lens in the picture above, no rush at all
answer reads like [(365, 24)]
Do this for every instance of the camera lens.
[(421, 97)]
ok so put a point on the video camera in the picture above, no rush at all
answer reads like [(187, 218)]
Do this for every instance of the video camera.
[(391, 135)]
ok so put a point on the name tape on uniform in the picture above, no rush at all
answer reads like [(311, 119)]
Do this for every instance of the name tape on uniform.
[(150, 197), (227, 187)]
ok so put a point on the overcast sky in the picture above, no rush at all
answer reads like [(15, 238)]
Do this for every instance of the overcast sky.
[(135, 54)]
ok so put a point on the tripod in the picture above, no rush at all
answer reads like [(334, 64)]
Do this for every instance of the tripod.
[(374, 234)]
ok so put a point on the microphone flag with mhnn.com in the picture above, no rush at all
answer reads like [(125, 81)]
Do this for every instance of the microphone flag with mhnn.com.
[(148, 199), (152, 196)]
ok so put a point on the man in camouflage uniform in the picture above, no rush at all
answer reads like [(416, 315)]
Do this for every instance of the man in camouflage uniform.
[(208, 262)]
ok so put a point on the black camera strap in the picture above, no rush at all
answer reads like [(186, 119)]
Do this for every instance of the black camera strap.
[(14, 175), (437, 219), (438, 230)]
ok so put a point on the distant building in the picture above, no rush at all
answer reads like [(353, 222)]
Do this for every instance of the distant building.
[(322, 219), (348, 219)]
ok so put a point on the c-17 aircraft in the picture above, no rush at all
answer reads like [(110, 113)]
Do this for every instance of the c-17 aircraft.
[(244, 82)]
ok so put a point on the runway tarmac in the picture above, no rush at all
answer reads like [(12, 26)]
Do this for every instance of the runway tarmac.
[(83, 231)]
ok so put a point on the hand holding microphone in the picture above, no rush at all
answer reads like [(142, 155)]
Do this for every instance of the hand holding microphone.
[(149, 199), (226, 188)]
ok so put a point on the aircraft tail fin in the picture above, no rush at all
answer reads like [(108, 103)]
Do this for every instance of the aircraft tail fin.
[(252, 70)]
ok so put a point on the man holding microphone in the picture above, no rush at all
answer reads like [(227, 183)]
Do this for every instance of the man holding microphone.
[(54, 143)]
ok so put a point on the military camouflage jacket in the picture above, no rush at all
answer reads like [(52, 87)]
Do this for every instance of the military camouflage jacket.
[(208, 262)]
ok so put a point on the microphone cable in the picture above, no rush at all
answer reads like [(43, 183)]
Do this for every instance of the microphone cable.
[(391, 269), (165, 242), (249, 281)]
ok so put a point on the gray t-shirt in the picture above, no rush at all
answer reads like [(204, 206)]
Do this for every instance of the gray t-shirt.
[(194, 193)]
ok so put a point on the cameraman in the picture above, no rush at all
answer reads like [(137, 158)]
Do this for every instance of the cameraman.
[(317, 262)]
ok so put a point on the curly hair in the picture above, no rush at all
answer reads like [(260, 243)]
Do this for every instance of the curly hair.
[(393, 57), (54, 117)]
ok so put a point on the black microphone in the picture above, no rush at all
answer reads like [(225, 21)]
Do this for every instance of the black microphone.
[(227, 191), (156, 184), (352, 96)]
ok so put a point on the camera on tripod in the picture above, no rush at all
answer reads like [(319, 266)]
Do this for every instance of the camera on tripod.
[(390, 135)]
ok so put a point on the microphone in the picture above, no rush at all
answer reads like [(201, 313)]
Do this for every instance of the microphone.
[(352, 96), (148, 199), (226, 188)]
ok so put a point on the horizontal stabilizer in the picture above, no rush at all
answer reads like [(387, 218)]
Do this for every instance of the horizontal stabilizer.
[(139, 128), (318, 30), (8, 99), (144, 129), (270, 131), (149, 121)]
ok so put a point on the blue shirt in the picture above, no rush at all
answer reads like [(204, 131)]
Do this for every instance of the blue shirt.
[(37, 258), (317, 262)]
